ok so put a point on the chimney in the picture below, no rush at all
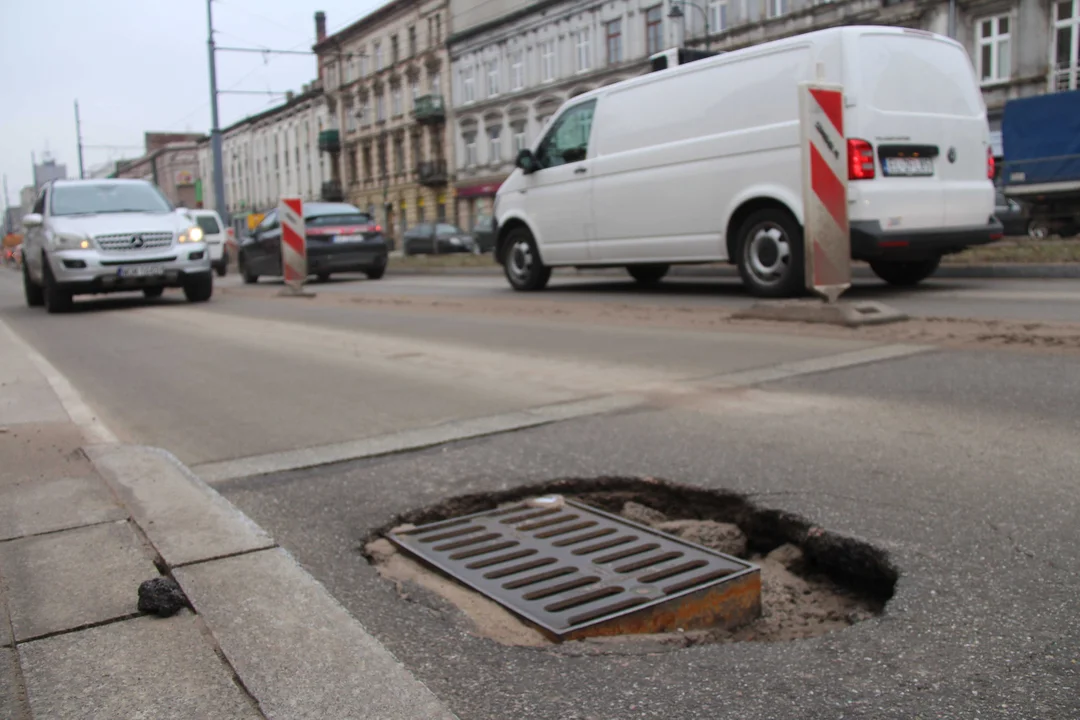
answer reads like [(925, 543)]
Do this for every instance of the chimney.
[(289, 95), (320, 26)]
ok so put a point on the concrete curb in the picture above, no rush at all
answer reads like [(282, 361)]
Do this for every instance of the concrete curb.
[(1033, 271), (292, 645)]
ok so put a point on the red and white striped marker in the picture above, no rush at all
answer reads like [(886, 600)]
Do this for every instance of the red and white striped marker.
[(827, 236), (293, 242)]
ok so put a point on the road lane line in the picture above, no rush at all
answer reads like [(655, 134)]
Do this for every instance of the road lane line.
[(93, 429), (458, 430)]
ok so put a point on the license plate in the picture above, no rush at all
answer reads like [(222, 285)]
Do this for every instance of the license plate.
[(142, 270), (347, 238), (909, 166)]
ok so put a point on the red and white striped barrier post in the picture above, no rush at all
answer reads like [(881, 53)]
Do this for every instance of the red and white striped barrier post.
[(827, 236), (293, 244)]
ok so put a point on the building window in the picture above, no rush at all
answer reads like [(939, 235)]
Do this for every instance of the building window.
[(353, 176), (494, 145), (718, 17), (614, 42), (994, 59), (438, 29), (547, 61), (1066, 70), (468, 85), (779, 7), (654, 30), (582, 50), (378, 57), (414, 90), (380, 108), (363, 62), (436, 84), (399, 155), (394, 57), (520, 143), (412, 41), (470, 150), (365, 114), (493, 78), (395, 100), (517, 70)]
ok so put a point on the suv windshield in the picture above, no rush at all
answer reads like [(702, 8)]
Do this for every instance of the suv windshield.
[(90, 198), (209, 224), (325, 220)]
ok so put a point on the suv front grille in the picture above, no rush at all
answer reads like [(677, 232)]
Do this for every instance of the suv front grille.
[(134, 241)]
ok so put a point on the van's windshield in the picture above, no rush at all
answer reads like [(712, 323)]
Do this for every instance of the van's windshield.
[(912, 73)]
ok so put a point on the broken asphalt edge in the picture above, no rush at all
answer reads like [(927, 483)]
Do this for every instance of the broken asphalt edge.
[(293, 646)]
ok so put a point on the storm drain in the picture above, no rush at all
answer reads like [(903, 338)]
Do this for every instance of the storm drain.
[(575, 572)]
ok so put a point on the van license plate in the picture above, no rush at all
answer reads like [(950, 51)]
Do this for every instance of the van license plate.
[(142, 270), (909, 166)]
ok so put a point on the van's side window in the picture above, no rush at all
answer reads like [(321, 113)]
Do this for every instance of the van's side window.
[(568, 139)]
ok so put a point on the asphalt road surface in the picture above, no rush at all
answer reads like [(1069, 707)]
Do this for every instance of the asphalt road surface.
[(962, 463)]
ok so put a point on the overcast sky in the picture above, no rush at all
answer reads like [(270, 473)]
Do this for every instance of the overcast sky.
[(138, 65)]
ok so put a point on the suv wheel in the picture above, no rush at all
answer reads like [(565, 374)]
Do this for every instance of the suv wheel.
[(375, 273), (199, 288), (35, 296), (522, 262), (57, 299), (905, 274), (770, 254)]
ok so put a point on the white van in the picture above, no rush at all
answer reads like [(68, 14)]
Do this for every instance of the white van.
[(214, 232), (701, 163)]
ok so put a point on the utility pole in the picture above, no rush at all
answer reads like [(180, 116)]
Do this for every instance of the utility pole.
[(952, 19), (78, 136), (215, 129)]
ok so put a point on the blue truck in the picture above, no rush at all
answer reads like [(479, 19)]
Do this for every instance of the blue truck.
[(1041, 166)]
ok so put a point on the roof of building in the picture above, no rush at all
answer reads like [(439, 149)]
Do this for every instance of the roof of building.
[(372, 18), (287, 105)]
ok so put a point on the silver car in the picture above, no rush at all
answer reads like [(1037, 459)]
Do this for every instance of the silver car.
[(101, 236)]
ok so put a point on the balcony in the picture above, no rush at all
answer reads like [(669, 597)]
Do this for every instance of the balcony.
[(430, 110), (332, 190), (432, 173), (330, 141)]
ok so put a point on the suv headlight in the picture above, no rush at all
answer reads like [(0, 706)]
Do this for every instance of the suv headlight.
[(69, 241), (191, 235)]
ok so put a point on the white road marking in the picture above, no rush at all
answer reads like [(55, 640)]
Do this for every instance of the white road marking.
[(93, 429)]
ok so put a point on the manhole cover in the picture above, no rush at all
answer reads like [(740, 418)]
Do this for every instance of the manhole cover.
[(577, 572)]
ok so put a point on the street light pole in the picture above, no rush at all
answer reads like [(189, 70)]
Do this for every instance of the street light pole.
[(78, 137), (676, 12), (215, 129)]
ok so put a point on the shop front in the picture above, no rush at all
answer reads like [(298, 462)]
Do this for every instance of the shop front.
[(476, 201)]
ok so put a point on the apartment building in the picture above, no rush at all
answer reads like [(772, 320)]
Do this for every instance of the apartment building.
[(270, 155), (511, 72), (385, 78), (170, 162)]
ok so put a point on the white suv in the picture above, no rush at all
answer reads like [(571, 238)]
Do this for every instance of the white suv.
[(101, 236)]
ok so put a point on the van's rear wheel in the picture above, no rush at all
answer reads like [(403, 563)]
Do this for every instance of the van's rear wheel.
[(905, 274), (648, 274), (522, 263), (770, 254)]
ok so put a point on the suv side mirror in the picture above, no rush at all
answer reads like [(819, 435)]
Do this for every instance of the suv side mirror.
[(32, 220), (527, 161)]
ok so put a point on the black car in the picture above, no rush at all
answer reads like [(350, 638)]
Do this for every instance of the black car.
[(438, 239), (484, 233), (1015, 218), (340, 238)]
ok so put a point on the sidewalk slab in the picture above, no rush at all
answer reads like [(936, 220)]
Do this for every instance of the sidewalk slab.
[(34, 506), (12, 697), (141, 668), (36, 451), (184, 518), (295, 648), (6, 639), (73, 578)]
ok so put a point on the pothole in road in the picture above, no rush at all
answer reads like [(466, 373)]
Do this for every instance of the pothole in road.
[(813, 581)]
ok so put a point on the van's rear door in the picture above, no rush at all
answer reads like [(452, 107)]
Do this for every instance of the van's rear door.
[(917, 101)]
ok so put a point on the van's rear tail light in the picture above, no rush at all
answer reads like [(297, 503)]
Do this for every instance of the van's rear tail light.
[(860, 155), (990, 163)]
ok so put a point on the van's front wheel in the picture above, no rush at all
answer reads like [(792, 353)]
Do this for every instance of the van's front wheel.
[(770, 254), (522, 264), (905, 274)]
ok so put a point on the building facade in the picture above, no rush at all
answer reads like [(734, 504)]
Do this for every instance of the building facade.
[(513, 67), (385, 78), (47, 171), (511, 73), (171, 162), (268, 156)]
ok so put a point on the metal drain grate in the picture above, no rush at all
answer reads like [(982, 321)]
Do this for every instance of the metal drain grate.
[(576, 572)]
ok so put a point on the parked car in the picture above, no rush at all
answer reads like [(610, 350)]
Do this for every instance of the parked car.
[(484, 233), (340, 238), (1014, 217), (102, 236), (215, 234), (708, 171), (437, 238)]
